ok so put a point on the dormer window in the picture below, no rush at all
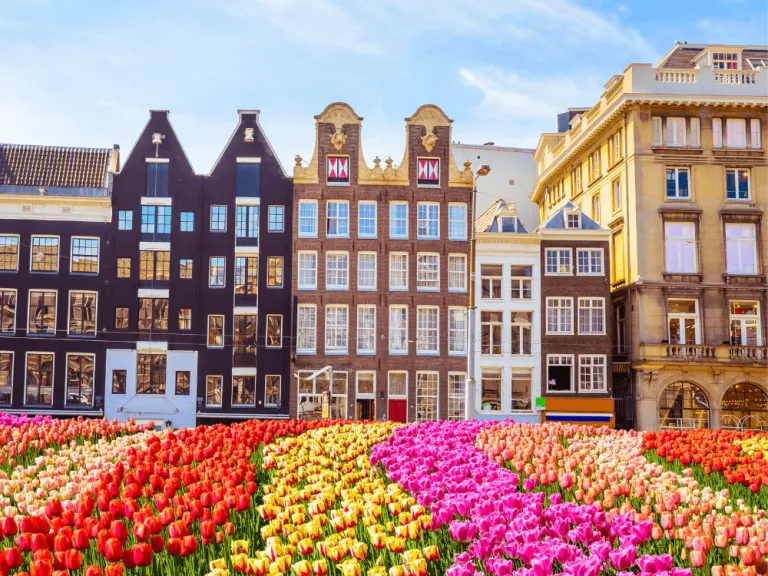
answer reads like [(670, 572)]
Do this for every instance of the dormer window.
[(725, 60), (429, 172), (508, 224), (573, 219), (338, 170)]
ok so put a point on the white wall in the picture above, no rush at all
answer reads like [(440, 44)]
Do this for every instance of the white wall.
[(180, 410)]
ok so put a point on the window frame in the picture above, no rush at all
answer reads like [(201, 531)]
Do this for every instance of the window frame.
[(266, 331), (29, 314), (391, 327), (682, 241), (360, 204), (186, 225), (95, 294), (5, 241), (278, 403), (421, 328), (681, 317), (392, 395), (279, 211), (425, 182), (360, 285), (211, 277), (186, 319), (151, 374), (217, 230), (670, 127), (215, 378), (580, 251), (122, 375), (392, 220), (339, 181), (15, 292), (573, 366), (463, 206), (463, 273), (209, 328), (186, 265), (436, 397), (493, 327), (303, 269), (337, 350), (453, 330), (188, 384), (520, 327), (365, 351), (593, 389), (120, 268), (591, 299), (560, 324), (339, 256), (308, 202), (677, 171), (736, 190), (279, 269), (337, 219), (493, 281), (127, 317), (616, 195), (518, 282), (247, 223), (558, 254), (428, 220), (403, 288), (244, 378), (93, 380), (124, 216), (72, 255), (27, 354), (32, 253), (299, 328), (421, 272), (753, 241)]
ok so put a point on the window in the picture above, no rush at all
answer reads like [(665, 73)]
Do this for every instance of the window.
[(119, 378), (737, 184), (398, 329), (572, 219), (219, 218), (153, 313), (336, 329), (457, 273), (338, 219), (676, 132), (725, 60), (246, 221), (272, 391), (426, 396), (248, 177), (558, 261), (491, 324), (213, 385), (594, 165), (123, 267), (591, 316), (9, 253), (428, 221), (596, 208), (614, 148), (185, 318), (366, 219), (121, 317), (244, 338), (307, 267), (215, 331), (559, 315), (338, 170), (185, 268), (617, 269), (366, 384), (306, 327), (508, 224), (657, 139), (560, 373), (427, 330), (522, 330), (521, 278), (717, 132), (187, 223), (82, 313), (754, 133), (366, 271), (741, 248), (366, 329), (154, 265), (217, 271), (275, 272), (7, 310), (522, 383), (39, 381), (246, 275), (677, 183), (457, 331), (42, 312), (695, 133), (276, 218), (85, 256), (616, 188), (592, 373), (680, 246), (125, 220), (590, 261), (398, 271), (150, 373), (429, 172), (683, 319), (490, 384), (156, 223), (45, 254), (157, 179), (182, 383), (398, 384), (456, 391), (745, 324), (576, 181), (490, 281), (427, 272), (398, 220), (307, 218), (736, 132), (337, 271), (243, 390), (457, 221), (274, 330), (79, 380), (621, 329)]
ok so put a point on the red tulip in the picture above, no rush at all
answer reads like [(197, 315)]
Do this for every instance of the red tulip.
[(93, 571), (142, 554), (113, 550), (114, 570), (157, 543), (190, 545), (13, 557), (80, 539), (141, 532), (207, 529), (128, 558), (175, 546), (41, 568), (8, 527), (119, 530), (39, 542), (73, 559), (61, 543)]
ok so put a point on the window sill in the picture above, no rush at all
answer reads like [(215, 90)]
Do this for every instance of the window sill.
[(40, 334), (688, 150), (457, 290), (427, 237), (556, 392), (428, 289), (427, 185), (594, 181), (367, 289), (560, 334), (458, 354), (398, 353), (617, 162), (82, 336), (337, 183), (592, 333), (366, 352), (464, 239), (243, 405), (404, 289), (336, 288), (593, 391), (398, 237), (361, 237), (594, 274), (749, 152), (558, 273), (306, 352), (744, 279), (307, 288), (689, 277), (423, 353), (306, 236), (336, 352)]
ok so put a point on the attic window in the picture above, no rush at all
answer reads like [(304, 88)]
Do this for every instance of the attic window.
[(573, 219), (338, 170), (725, 60), (508, 224)]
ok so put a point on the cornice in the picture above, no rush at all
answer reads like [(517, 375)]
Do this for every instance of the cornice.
[(21, 200)]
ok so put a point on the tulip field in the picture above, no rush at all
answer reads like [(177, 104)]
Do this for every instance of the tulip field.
[(338, 498)]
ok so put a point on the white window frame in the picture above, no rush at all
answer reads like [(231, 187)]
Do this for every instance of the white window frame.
[(590, 252), (55, 310), (423, 331), (559, 261), (717, 132), (337, 219), (755, 134), (738, 269), (591, 309), (616, 195), (681, 317), (588, 367), (678, 170), (365, 395), (220, 380), (676, 137), (694, 140), (15, 312), (360, 204), (550, 304), (367, 308), (457, 334), (299, 328), (121, 222), (391, 338), (425, 267), (390, 394), (519, 327), (66, 380), (308, 219), (269, 219), (279, 387), (656, 130), (26, 376), (210, 277), (329, 350), (736, 182), (223, 331), (392, 220), (10, 379), (32, 253), (492, 344), (304, 269), (731, 135), (489, 370), (683, 242), (210, 220), (428, 206), (95, 317), (72, 254), (453, 222), (337, 270), (742, 319), (398, 288), (458, 396), (266, 331), (361, 256), (436, 396), (455, 274), (493, 282), (573, 366), (18, 250)]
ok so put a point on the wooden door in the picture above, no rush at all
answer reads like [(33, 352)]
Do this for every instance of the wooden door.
[(398, 410)]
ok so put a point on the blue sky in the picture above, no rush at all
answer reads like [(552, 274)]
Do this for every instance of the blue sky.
[(86, 73)]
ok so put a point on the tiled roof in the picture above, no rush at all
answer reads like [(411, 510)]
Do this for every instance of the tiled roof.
[(53, 166), (683, 55)]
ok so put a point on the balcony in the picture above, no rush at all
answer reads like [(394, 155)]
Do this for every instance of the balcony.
[(703, 354), (244, 356)]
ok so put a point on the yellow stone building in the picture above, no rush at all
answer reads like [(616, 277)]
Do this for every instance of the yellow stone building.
[(672, 159)]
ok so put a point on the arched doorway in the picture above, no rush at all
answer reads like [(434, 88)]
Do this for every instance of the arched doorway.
[(744, 407), (683, 405)]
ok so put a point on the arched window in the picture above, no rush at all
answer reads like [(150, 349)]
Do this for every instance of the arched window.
[(683, 405), (744, 407)]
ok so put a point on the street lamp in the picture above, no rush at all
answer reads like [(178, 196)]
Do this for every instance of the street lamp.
[(469, 399)]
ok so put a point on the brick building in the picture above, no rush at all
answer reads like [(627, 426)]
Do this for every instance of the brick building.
[(380, 272)]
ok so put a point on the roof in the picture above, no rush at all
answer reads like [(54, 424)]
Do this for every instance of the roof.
[(487, 221), (53, 166), (557, 221), (682, 56)]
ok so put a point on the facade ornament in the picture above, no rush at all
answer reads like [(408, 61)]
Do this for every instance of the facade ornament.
[(338, 139), (298, 160), (377, 171), (429, 140)]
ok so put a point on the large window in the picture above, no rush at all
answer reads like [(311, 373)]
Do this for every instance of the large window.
[(85, 255), (218, 219), (398, 271), (337, 219), (213, 386), (490, 384), (246, 275), (248, 178), (243, 391), (522, 383), (592, 373), (311, 391), (677, 183), (337, 270), (591, 316), (683, 321), (275, 272), (428, 221), (558, 261), (157, 179), (42, 312), (217, 271), (82, 313), (427, 272), (490, 281), (307, 266), (590, 261), (457, 221), (680, 247), (80, 379), (457, 331), (744, 407), (560, 373), (45, 254), (683, 405), (457, 272), (456, 391), (156, 223), (336, 329), (9, 253), (7, 310), (6, 377), (736, 132), (366, 329), (559, 315), (427, 330), (366, 219), (216, 331), (151, 373), (274, 330), (307, 218), (398, 329), (737, 184), (398, 384), (741, 248), (522, 330), (676, 131), (39, 381), (521, 280), (153, 313), (244, 339), (745, 324), (306, 327), (426, 396), (272, 391), (491, 325), (154, 265), (276, 218), (398, 220), (366, 271), (247, 222)]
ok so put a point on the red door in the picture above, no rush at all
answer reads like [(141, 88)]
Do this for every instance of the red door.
[(397, 410)]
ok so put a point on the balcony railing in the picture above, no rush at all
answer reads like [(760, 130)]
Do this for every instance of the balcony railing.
[(752, 353), (704, 353)]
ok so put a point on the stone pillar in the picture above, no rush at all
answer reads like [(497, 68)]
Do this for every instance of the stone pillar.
[(714, 418), (647, 410)]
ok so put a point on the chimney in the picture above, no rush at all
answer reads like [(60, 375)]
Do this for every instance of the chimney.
[(114, 159)]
